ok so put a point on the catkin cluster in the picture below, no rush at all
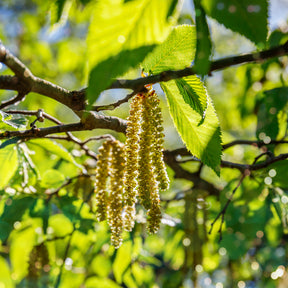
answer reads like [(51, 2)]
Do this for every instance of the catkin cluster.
[(135, 170), (143, 156), (109, 187)]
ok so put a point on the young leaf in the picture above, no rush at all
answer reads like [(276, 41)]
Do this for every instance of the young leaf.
[(249, 18), (118, 33), (201, 135), (9, 164), (203, 47), (177, 52)]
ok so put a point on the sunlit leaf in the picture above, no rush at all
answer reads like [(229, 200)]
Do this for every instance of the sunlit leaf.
[(52, 179), (122, 260), (21, 244), (6, 278), (249, 18), (176, 52), (9, 164), (92, 282), (129, 30), (201, 135)]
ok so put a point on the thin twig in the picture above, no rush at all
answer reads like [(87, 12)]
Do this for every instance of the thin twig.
[(256, 143), (34, 113), (268, 153), (97, 138), (14, 100), (224, 209), (112, 106)]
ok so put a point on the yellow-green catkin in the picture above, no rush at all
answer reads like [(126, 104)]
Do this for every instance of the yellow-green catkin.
[(158, 140), (131, 162), (102, 171), (115, 200), (145, 167), (154, 213)]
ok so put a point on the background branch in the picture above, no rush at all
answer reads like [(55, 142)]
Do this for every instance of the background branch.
[(224, 209)]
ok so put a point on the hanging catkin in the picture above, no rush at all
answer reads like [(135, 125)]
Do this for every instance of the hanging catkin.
[(146, 181), (115, 200), (136, 169), (102, 170), (131, 163), (158, 140)]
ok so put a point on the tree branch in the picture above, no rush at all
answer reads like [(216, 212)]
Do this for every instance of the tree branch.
[(181, 173), (30, 83), (76, 99), (215, 65)]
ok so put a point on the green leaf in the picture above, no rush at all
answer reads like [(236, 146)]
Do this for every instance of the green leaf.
[(106, 71), (120, 35), (92, 282), (54, 148), (13, 211), (9, 164), (272, 114), (176, 52), (249, 18), (6, 279), (52, 179), (201, 135), (204, 46), (122, 260)]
